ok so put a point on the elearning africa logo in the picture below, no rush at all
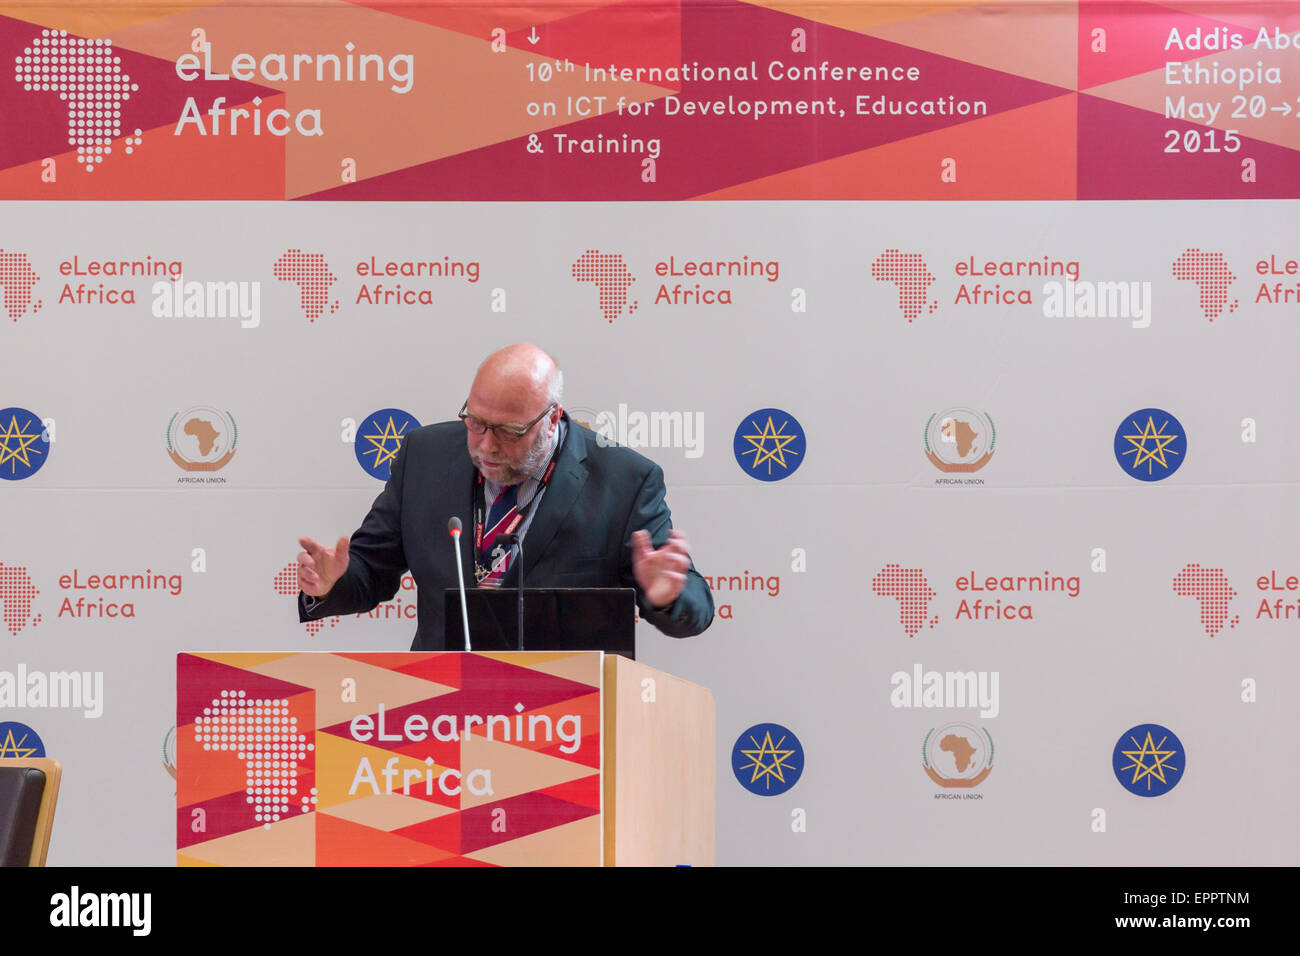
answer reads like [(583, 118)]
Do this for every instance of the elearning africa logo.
[(770, 444), (1150, 444), (1149, 760), (379, 439), (24, 444), (767, 759)]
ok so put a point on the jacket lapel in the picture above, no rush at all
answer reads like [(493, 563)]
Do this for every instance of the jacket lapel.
[(456, 471), (561, 495)]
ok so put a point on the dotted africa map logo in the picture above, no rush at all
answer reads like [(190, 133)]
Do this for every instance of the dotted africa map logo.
[(16, 594), (265, 736), (1211, 588), (1149, 760), (769, 444), (24, 444), (609, 274), (767, 759), (379, 439), (311, 273), (87, 76), (908, 271), (17, 279), (1150, 444), (1210, 272), (912, 591)]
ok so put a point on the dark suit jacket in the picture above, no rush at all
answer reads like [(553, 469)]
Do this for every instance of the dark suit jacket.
[(580, 537)]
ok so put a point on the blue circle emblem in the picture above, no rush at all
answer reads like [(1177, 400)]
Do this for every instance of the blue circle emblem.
[(769, 444), (767, 759), (24, 444), (19, 741), (1150, 444), (379, 438), (1149, 760)]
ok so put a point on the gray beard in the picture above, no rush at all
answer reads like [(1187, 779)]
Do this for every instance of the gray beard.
[(540, 451)]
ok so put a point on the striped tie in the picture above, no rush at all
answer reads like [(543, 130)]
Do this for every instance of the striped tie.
[(500, 516)]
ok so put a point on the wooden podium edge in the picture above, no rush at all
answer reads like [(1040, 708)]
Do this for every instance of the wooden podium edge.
[(659, 767)]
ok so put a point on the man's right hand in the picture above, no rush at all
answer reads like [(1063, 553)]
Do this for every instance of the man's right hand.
[(319, 567)]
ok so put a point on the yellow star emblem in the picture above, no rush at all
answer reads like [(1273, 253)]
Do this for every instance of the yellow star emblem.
[(1159, 442), (14, 748), (1159, 760), (16, 444), (379, 441), (776, 769), (777, 451)]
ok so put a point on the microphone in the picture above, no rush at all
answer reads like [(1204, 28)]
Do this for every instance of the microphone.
[(517, 545), (454, 528)]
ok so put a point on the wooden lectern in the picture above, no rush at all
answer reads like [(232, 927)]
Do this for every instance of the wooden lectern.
[(496, 758)]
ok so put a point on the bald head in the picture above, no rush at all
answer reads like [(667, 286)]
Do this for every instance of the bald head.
[(514, 386), (520, 368)]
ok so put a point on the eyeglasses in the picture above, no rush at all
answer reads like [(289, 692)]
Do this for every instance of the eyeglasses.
[(504, 433)]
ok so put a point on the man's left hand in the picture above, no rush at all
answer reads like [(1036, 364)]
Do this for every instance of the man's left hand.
[(660, 573)]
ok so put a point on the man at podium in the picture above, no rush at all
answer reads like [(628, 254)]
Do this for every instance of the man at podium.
[(589, 514)]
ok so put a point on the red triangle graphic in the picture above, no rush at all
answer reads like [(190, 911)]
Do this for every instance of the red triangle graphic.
[(165, 167), (1124, 158), (584, 792), (200, 681), (442, 832), (587, 753), (439, 668), (1027, 153), (1135, 35), (222, 816), (522, 815), (461, 861), (473, 19), (626, 34), (389, 661)]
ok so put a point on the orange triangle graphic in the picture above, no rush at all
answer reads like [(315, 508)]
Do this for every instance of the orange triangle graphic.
[(165, 167), (1025, 153), (343, 843), (1031, 40)]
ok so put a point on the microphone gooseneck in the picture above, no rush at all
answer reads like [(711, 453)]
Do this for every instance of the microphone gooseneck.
[(454, 528)]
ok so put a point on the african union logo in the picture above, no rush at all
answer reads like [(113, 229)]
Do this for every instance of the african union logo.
[(769, 444), (202, 438), (19, 741), (24, 444), (1150, 444), (957, 755), (169, 752), (379, 439), (1149, 760), (767, 759), (959, 439)]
